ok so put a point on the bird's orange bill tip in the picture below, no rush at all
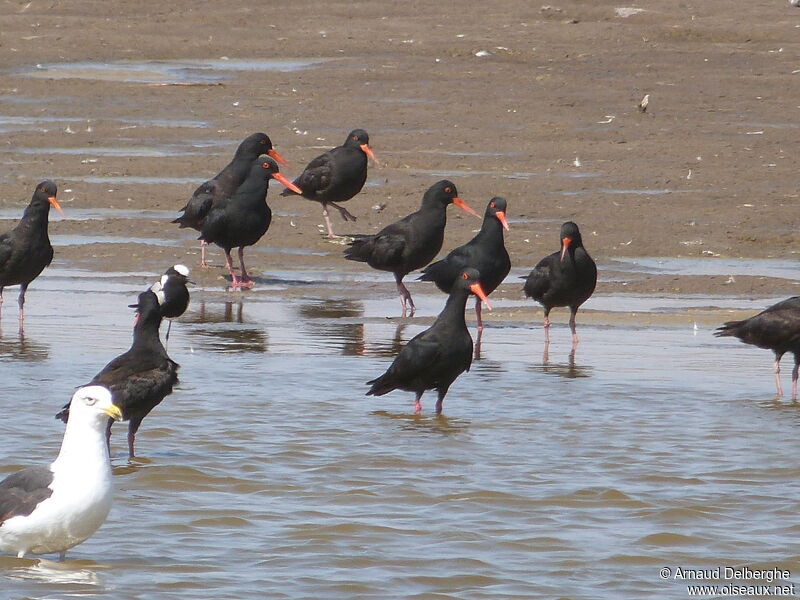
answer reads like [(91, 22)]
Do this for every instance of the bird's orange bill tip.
[(281, 179), (564, 245), (476, 289), (460, 204), (52, 200), (501, 216), (278, 158), (368, 151), (114, 412)]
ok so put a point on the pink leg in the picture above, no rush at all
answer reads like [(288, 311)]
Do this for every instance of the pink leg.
[(405, 296), (794, 380), (478, 314), (547, 326), (418, 404), (21, 301), (777, 371), (331, 235), (574, 313), (229, 263), (440, 401), (203, 262), (246, 281)]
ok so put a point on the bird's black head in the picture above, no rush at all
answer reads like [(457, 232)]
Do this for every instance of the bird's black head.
[(570, 231), (357, 137), (254, 145), (469, 280), (147, 308), (442, 193), (267, 168), (497, 209), (45, 196)]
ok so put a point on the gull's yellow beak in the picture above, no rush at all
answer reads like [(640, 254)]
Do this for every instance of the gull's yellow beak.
[(114, 412)]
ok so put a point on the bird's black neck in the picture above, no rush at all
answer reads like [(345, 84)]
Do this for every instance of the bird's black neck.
[(453, 311), (253, 191), (35, 217), (491, 228), (145, 333)]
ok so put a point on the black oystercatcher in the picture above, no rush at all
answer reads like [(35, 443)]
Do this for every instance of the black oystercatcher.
[(143, 376), (243, 218), (486, 253), (25, 250), (225, 183), (172, 293), (336, 176), (433, 359), (564, 278), (51, 509), (412, 242), (776, 328)]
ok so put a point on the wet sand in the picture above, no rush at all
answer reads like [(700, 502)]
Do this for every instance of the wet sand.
[(548, 119)]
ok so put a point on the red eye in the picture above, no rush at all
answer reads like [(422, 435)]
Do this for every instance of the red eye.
[(447, 190), (491, 204), (464, 276)]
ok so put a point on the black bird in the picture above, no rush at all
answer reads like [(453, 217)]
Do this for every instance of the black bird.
[(486, 253), (225, 183), (564, 278), (336, 176), (143, 376), (433, 359), (53, 508), (172, 293), (412, 242), (243, 218), (25, 250), (776, 328)]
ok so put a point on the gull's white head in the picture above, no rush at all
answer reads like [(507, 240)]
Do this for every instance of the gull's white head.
[(181, 270), (93, 402)]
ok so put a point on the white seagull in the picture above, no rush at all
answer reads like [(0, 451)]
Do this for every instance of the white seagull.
[(50, 509)]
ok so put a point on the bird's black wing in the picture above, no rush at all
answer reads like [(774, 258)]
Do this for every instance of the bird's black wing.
[(315, 178), (6, 249), (415, 360), (20, 492), (537, 283)]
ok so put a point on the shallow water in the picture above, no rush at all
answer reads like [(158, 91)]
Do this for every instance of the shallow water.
[(268, 473)]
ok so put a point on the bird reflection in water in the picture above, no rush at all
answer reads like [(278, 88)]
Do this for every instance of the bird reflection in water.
[(321, 316), (218, 338), (22, 348), (431, 424), (568, 370), (68, 572)]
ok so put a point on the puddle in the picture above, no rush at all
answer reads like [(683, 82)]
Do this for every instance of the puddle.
[(655, 192), (83, 240), (167, 71), (139, 151), (765, 267)]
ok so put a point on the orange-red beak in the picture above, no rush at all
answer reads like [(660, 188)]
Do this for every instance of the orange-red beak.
[(565, 246), (281, 179), (460, 204), (52, 200), (501, 216), (476, 289), (278, 158), (368, 151)]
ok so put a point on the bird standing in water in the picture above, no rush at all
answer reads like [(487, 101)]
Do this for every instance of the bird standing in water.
[(142, 377), (564, 278), (433, 359), (412, 242), (25, 250), (776, 328), (50, 509)]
